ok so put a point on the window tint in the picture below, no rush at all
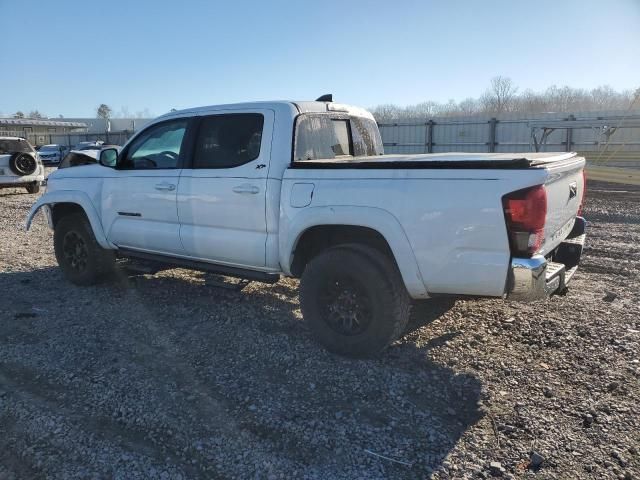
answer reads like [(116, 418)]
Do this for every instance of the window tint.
[(320, 136), (226, 141), (157, 147)]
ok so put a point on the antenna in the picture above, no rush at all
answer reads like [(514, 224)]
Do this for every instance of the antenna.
[(327, 97)]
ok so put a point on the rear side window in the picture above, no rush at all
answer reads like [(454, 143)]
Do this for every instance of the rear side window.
[(227, 141), (323, 136)]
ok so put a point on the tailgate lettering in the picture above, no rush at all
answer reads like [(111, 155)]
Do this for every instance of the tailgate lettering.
[(573, 190)]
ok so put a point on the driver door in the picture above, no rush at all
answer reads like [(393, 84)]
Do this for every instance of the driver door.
[(139, 208)]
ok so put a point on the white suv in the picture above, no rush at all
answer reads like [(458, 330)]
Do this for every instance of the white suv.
[(20, 165)]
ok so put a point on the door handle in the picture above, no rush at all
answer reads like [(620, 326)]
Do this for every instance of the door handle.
[(246, 188), (165, 186)]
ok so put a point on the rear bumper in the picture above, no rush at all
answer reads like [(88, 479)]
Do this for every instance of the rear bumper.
[(17, 182), (539, 277)]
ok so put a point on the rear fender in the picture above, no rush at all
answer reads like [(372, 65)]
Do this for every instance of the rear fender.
[(292, 228), (81, 199)]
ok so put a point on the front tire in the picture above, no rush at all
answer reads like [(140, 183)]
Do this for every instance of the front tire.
[(354, 300), (82, 260)]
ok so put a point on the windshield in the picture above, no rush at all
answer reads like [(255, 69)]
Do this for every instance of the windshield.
[(14, 145), (49, 148)]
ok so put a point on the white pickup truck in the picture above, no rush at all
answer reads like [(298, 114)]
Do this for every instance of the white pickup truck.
[(303, 189)]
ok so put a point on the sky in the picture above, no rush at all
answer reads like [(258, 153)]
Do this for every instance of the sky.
[(65, 57)]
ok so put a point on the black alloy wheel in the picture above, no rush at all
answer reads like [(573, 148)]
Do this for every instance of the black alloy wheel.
[(75, 251), (346, 307)]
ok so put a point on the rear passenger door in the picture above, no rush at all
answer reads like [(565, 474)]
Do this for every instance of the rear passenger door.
[(222, 193)]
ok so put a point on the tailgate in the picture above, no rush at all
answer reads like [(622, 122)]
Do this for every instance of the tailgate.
[(565, 187)]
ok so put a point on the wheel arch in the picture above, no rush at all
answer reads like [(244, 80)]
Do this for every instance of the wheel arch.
[(61, 203), (314, 229)]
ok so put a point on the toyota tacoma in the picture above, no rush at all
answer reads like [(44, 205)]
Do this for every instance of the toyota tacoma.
[(304, 189)]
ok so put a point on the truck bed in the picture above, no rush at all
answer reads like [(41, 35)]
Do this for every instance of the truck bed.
[(476, 161)]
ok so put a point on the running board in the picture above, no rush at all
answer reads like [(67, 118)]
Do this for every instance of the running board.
[(177, 262)]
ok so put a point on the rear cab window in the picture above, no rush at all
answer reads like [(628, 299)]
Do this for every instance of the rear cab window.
[(320, 136)]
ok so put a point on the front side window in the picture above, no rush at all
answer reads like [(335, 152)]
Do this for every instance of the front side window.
[(157, 148), (227, 141)]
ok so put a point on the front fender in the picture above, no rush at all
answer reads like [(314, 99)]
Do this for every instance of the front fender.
[(297, 221), (70, 196)]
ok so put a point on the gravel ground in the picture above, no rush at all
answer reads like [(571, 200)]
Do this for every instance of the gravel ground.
[(170, 376)]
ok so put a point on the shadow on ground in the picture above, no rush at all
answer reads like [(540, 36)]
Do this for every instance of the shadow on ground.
[(194, 379)]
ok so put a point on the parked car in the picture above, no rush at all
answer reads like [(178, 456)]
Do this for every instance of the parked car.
[(52, 154), (20, 165), (224, 189)]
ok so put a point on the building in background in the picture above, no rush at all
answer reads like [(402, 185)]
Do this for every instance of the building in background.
[(39, 131), (112, 125), (71, 131)]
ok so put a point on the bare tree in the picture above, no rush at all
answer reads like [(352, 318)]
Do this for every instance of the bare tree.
[(103, 111), (426, 109), (469, 106), (35, 114), (386, 113), (502, 96), (604, 97), (499, 97)]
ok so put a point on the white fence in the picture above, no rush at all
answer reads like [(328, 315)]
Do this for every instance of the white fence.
[(508, 133)]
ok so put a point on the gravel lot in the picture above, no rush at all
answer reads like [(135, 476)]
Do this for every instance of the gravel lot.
[(170, 376)]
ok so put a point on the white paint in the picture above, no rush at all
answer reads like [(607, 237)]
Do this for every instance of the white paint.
[(445, 227)]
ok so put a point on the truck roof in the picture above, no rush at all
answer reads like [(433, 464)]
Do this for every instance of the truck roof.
[(295, 107)]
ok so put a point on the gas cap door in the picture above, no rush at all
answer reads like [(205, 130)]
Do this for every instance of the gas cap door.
[(301, 194)]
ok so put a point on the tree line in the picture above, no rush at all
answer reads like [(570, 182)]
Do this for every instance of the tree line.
[(503, 96), (102, 111)]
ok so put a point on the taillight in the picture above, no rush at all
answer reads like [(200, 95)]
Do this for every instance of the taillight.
[(584, 192), (525, 212)]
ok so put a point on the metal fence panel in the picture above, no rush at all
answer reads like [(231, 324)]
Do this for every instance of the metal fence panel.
[(513, 134)]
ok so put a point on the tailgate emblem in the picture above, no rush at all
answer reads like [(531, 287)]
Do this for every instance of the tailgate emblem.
[(573, 190)]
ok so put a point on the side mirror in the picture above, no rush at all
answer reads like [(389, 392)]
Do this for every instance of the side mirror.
[(109, 157)]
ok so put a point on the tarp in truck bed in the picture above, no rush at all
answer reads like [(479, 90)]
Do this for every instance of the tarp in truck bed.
[(442, 160)]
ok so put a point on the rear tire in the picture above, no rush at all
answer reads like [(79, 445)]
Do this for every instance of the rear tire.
[(354, 300), (33, 187), (82, 260)]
